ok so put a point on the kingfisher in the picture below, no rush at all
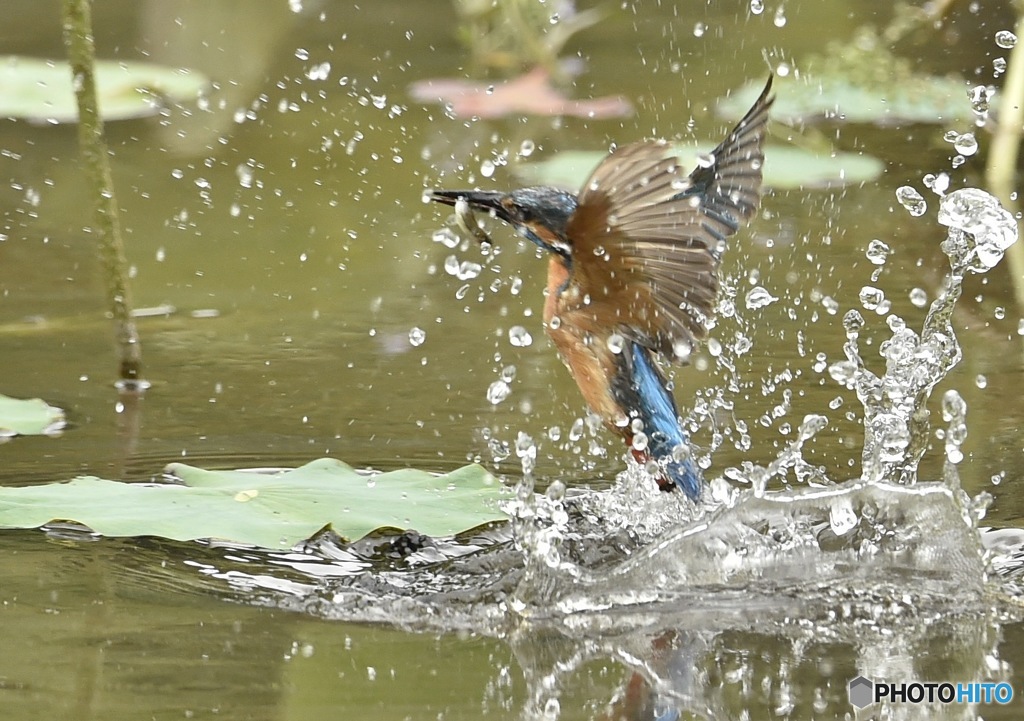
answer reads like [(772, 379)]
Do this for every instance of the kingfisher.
[(633, 274)]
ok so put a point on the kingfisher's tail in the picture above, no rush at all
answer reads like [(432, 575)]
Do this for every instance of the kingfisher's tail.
[(686, 476), (642, 389)]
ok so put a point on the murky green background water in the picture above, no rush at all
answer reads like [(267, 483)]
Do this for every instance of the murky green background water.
[(302, 225)]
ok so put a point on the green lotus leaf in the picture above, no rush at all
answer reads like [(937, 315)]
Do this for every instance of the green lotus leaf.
[(785, 167), (41, 90), (31, 417), (269, 509), (833, 98)]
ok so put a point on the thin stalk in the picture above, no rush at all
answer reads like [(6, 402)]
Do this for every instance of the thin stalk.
[(1001, 168), (78, 38)]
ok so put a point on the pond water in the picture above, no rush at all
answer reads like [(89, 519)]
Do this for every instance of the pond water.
[(290, 204)]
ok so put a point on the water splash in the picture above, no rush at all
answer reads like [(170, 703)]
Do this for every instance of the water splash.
[(700, 603), (895, 413), (882, 528)]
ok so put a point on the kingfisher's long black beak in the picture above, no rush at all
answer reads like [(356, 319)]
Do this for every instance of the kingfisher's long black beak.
[(480, 200)]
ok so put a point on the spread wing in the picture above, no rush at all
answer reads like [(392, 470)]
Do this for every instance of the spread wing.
[(661, 233)]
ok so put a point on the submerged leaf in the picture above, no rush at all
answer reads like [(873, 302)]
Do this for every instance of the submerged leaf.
[(529, 94), (29, 417), (272, 510), (785, 167), (42, 91)]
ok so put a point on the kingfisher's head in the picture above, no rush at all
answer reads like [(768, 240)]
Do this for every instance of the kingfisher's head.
[(539, 214)]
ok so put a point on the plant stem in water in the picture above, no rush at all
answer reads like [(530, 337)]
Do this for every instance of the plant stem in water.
[(78, 38), (1002, 155)]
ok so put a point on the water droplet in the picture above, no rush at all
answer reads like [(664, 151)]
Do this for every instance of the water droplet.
[(526, 148), (616, 343), (639, 442), (498, 391), (705, 160), (244, 174), (699, 29), (756, 6), (912, 200), (918, 297), (487, 168), (981, 381), (999, 66), (966, 144), (519, 336), (841, 516), (682, 350), (499, 449), (320, 71), (1006, 39), (555, 323), (844, 372), (447, 238), (417, 336), (999, 312), (468, 270), (759, 297), (525, 447), (938, 184), (877, 252), (451, 265), (954, 412), (980, 97), (556, 491), (871, 297), (985, 229), (780, 17)]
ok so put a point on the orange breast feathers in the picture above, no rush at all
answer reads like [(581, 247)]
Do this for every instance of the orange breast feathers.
[(581, 336)]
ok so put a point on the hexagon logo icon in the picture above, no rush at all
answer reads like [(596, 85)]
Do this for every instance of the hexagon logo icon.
[(862, 692)]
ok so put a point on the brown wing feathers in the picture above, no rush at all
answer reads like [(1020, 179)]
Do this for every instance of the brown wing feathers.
[(661, 233)]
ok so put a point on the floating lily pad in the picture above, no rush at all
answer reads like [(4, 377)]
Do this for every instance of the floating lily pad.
[(784, 168), (811, 99), (32, 417), (859, 80), (272, 510), (41, 90)]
